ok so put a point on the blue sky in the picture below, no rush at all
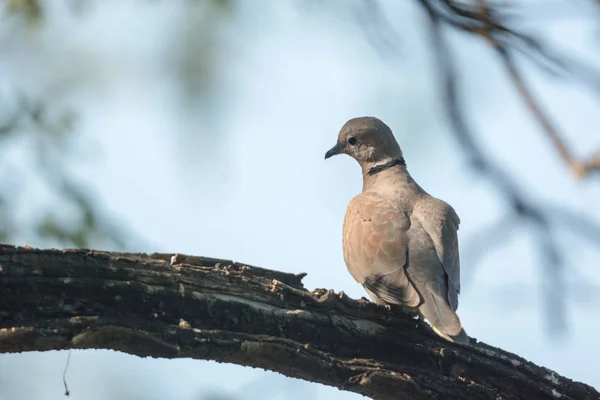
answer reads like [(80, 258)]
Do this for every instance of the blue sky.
[(247, 181)]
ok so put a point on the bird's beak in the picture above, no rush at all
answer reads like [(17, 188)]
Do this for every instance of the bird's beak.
[(333, 151)]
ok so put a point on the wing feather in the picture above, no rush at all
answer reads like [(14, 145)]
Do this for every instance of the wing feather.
[(375, 244), (441, 222)]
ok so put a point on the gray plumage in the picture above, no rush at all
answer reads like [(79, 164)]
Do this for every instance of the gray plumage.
[(399, 242)]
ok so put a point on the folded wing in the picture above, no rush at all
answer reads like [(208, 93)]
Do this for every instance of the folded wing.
[(375, 249)]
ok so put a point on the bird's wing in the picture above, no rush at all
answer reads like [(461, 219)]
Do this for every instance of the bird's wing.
[(375, 248), (440, 221)]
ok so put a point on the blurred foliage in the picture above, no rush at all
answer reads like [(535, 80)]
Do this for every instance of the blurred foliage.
[(31, 9), (67, 213), (197, 52), (45, 135)]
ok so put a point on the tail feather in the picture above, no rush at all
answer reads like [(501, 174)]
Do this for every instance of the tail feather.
[(442, 318)]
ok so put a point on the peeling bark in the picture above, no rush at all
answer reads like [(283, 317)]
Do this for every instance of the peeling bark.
[(174, 306)]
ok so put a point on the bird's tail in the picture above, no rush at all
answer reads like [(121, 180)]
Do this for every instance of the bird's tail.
[(442, 318)]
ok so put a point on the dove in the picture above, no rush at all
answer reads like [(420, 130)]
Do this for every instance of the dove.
[(399, 242)]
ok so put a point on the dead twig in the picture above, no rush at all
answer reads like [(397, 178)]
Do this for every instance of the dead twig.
[(579, 168), (522, 207)]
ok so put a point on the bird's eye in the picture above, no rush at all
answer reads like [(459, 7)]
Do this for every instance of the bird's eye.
[(351, 140)]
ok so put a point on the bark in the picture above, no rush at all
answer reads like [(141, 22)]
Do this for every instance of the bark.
[(166, 305)]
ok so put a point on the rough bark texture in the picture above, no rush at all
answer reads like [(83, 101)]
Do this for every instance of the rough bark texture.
[(165, 305)]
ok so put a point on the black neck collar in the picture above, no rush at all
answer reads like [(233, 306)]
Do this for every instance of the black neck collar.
[(382, 167)]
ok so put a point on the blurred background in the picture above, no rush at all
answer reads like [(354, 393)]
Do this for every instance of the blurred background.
[(199, 127)]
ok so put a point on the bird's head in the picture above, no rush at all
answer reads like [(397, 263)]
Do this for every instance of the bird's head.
[(368, 140)]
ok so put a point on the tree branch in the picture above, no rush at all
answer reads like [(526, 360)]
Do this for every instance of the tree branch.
[(173, 306)]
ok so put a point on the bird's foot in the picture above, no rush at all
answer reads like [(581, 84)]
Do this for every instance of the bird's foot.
[(411, 312)]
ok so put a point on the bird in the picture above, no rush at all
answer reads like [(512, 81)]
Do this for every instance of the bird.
[(399, 242)]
